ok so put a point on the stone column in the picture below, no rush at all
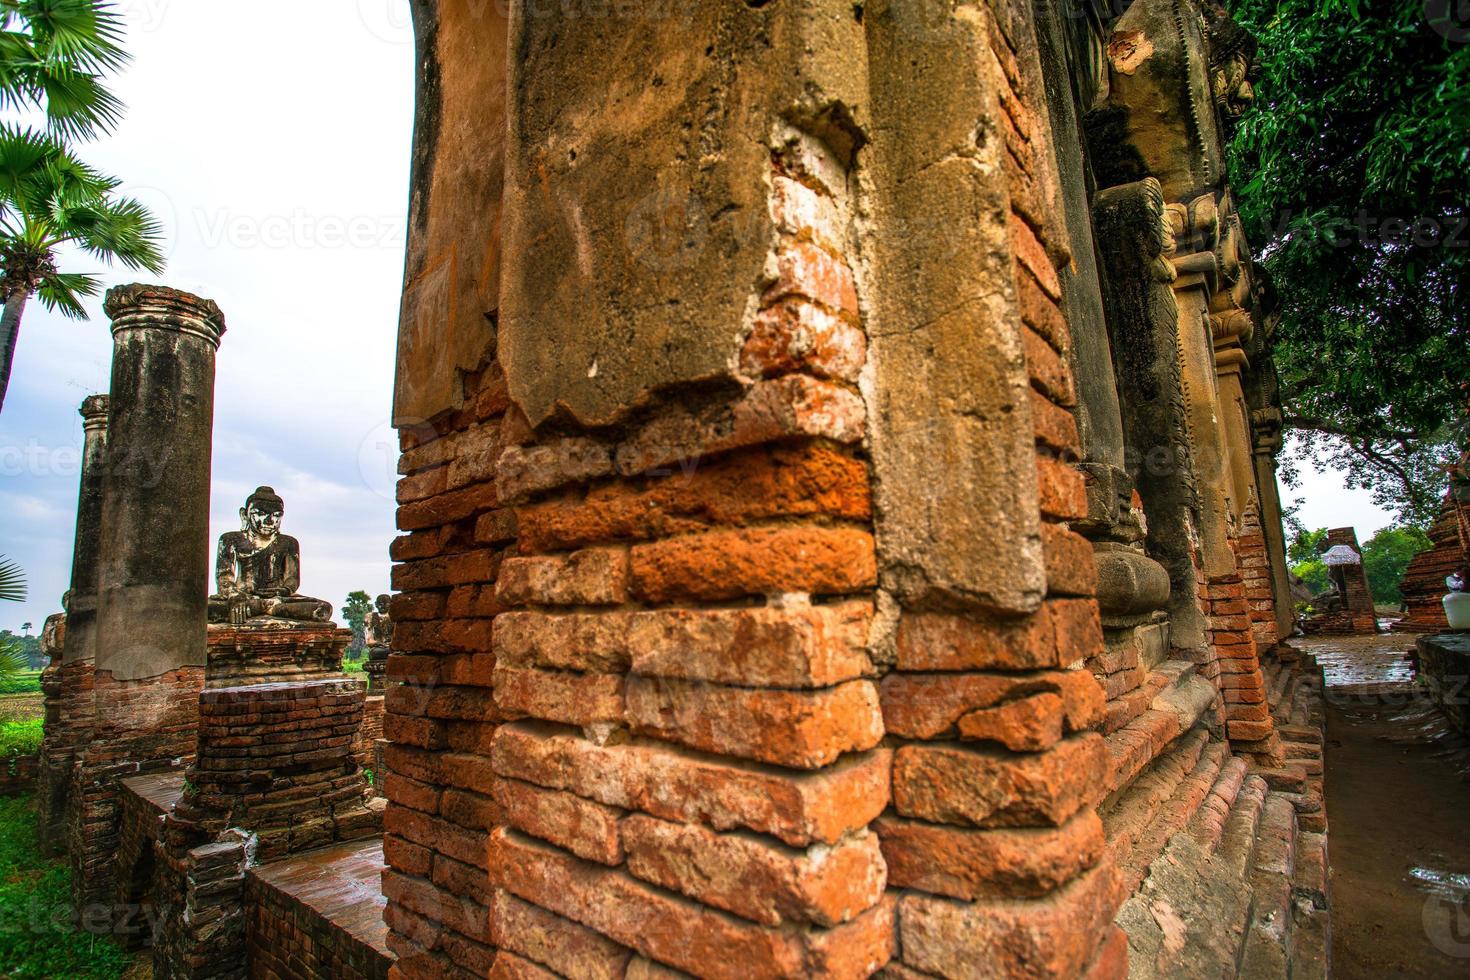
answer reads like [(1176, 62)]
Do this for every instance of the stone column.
[(71, 723), (153, 578)]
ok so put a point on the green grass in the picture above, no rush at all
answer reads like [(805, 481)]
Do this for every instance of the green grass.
[(39, 936), (25, 682), (20, 738)]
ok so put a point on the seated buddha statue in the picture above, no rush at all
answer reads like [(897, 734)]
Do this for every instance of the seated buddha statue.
[(258, 569)]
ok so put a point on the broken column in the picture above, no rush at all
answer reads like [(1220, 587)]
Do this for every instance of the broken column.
[(71, 725), (154, 561)]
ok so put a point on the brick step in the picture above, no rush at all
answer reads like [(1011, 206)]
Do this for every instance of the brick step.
[(1161, 803), (1307, 706), (1280, 691), (1269, 943), (1192, 914), (1311, 923), (1207, 826), (1183, 698)]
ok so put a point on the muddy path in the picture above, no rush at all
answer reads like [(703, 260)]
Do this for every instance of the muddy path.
[(1398, 805)]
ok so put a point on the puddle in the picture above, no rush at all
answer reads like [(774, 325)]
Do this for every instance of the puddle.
[(1446, 884)]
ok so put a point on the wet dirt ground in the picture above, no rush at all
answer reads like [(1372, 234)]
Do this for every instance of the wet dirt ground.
[(1398, 806)]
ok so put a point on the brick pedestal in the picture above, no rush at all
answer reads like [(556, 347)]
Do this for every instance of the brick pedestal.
[(271, 652), (275, 775)]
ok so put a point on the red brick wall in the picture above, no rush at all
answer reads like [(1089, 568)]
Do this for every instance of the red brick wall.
[(1255, 572), (635, 666), (287, 938)]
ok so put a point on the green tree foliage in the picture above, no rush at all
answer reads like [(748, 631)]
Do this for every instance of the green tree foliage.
[(1304, 558), (54, 55), (1353, 174), (27, 647), (1386, 557), (50, 199), (355, 610)]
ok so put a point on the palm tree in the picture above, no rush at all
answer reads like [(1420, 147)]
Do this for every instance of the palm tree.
[(12, 589), (12, 581), (53, 54), (49, 198)]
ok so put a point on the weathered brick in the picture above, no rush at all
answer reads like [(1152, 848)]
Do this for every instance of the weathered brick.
[(1049, 372), (559, 695), (587, 642), (931, 706), (562, 945), (972, 787), (758, 879), (738, 488), (446, 571), (800, 336), (1056, 427), (591, 577), (778, 409), (1063, 632), (997, 863), (1050, 937), (723, 794), (1062, 490), (795, 646), (447, 507), (523, 471), (801, 729), (509, 966), (1070, 569), (1031, 254), (680, 932), (586, 828), (757, 561), (806, 270)]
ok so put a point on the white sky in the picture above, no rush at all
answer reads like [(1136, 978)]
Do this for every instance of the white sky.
[(272, 139)]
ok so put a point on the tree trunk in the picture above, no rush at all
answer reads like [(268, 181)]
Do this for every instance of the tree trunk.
[(15, 305)]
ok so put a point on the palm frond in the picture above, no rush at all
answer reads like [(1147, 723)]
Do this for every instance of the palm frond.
[(52, 56), (86, 33), (13, 660), (77, 104), (12, 581), (63, 292), (121, 231)]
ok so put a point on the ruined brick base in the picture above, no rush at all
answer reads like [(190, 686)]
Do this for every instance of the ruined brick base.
[(201, 908), (364, 747), (1344, 623), (68, 727), (1444, 666), (150, 728), (1423, 588)]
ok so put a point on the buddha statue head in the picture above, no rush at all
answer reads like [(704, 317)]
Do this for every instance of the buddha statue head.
[(261, 515)]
